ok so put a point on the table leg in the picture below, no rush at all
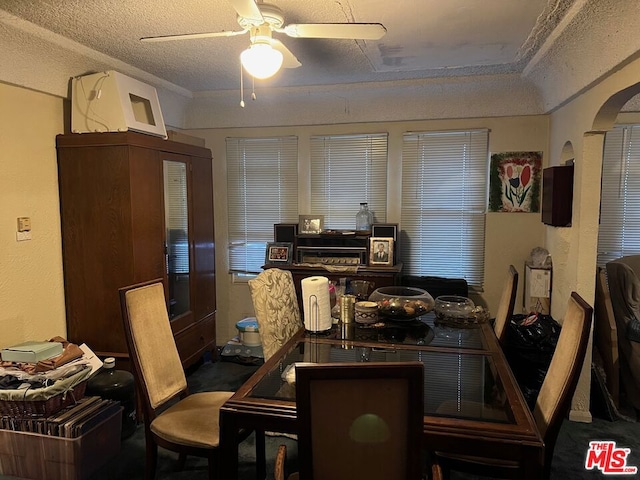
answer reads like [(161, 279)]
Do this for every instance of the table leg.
[(533, 463), (261, 456), (228, 458)]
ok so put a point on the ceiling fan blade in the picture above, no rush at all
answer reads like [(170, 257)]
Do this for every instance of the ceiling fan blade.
[(248, 9), (191, 36), (362, 31), (289, 60)]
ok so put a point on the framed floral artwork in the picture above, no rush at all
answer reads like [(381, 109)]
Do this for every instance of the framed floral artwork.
[(514, 183)]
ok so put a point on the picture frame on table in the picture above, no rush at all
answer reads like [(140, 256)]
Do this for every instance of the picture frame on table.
[(381, 251), (310, 224), (279, 252)]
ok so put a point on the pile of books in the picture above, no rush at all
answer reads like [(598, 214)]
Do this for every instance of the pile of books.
[(70, 422)]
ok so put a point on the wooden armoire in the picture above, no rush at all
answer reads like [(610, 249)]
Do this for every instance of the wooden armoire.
[(135, 207)]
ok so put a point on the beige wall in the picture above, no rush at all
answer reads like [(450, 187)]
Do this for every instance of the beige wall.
[(509, 237), (31, 286)]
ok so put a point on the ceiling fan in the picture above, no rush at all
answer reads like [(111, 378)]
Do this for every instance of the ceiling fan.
[(266, 55)]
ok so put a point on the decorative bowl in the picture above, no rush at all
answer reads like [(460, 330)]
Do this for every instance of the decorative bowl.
[(455, 310), (402, 303)]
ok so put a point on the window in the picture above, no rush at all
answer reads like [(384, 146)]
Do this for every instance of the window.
[(262, 189), (619, 233), (347, 170), (444, 195)]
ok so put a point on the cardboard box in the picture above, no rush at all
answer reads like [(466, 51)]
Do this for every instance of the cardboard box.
[(537, 290), (43, 457), (185, 138), (31, 352)]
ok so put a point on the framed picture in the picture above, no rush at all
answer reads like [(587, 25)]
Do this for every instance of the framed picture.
[(381, 251), (514, 182), (310, 224), (279, 252)]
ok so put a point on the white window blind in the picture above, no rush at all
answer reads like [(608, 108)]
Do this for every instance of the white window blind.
[(262, 189), (444, 195), (619, 233), (347, 170)]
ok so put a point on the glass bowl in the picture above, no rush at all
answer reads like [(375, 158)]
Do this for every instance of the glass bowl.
[(402, 303), (455, 310)]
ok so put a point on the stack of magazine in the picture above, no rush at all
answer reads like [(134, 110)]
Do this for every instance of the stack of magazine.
[(71, 422)]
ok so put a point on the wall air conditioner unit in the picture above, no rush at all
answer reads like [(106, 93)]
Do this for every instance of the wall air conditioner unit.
[(112, 102)]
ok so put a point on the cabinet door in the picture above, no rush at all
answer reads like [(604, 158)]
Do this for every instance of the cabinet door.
[(204, 294)]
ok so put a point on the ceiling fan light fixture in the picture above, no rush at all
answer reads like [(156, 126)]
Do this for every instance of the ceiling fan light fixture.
[(261, 60)]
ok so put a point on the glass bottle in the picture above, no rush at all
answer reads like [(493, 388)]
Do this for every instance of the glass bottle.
[(364, 218), (113, 384)]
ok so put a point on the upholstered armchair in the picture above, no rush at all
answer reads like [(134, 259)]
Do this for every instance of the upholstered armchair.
[(623, 277)]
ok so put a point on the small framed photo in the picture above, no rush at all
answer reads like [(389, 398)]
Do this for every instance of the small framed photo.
[(310, 224), (381, 251), (279, 252)]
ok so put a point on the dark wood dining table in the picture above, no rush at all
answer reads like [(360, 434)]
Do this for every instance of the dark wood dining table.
[(472, 402)]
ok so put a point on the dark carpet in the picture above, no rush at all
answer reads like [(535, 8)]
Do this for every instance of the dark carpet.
[(568, 462)]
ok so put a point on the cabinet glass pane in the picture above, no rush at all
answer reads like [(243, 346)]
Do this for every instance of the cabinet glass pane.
[(177, 236)]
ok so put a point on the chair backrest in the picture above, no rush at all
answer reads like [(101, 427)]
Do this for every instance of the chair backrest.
[(151, 344), (507, 304), (554, 399), (360, 420), (276, 307), (623, 275), (605, 334)]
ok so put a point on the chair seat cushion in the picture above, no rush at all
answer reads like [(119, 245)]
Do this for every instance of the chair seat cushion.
[(193, 421)]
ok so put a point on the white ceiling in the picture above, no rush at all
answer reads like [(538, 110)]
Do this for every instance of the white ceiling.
[(424, 39)]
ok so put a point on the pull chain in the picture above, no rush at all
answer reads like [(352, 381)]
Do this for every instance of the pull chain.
[(241, 88)]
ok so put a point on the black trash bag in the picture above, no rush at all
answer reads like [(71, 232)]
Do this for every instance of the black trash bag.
[(529, 346)]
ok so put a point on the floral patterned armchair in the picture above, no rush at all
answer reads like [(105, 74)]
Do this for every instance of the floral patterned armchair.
[(276, 306)]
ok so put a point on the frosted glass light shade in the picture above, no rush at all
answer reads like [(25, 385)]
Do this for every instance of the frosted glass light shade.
[(261, 60)]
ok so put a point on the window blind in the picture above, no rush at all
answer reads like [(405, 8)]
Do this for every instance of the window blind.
[(444, 195), (619, 233), (262, 189), (347, 170)]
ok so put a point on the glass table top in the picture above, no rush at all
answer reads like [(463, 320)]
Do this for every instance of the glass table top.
[(456, 384)]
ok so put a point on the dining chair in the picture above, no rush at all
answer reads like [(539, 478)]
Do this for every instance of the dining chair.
[(605, 336), (552, 404), (280, 465), (173, 418), (507, 304), (281, 458), (359, 420), (276, 307)]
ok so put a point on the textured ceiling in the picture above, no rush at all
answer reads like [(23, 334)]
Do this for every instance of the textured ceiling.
[(425, 38)]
